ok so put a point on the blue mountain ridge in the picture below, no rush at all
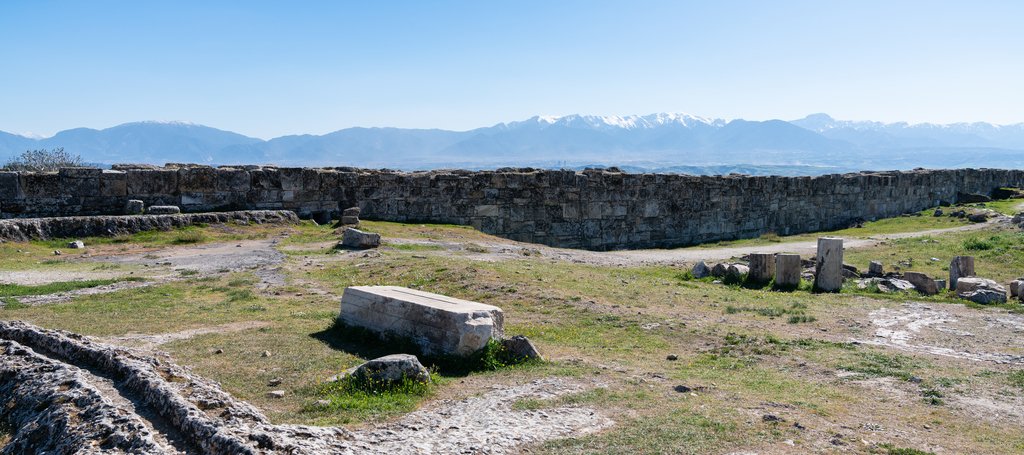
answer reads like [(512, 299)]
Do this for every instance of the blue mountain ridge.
[(660, 141)]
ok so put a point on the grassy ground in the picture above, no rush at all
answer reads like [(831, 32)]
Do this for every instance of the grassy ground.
[(741, 356)]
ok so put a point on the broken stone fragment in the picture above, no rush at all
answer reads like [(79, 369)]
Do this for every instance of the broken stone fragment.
[(77, 244), (737, 271), (276, 394), (922, 282), (521, 347), (875, 269), (719, 270), (701, 270), (392, 368)]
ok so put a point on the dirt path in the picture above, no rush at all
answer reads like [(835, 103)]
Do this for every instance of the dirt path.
[(504, 250)]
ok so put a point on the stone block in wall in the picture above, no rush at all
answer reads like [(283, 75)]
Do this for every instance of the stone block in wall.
[(193, 199), (306, 195), (229, 179), (161, 181), (311, 179), (265, 179), (113, 183), (13, 207), (329, 180), (41, 184), (197, 179), (81, 186), (10, 186), (291, 178), (80, 172)]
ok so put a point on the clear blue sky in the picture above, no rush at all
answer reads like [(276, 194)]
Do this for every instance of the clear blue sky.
[(267, 69)]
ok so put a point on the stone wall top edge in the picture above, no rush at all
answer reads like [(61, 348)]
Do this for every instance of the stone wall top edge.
[(592, 173), (463, 172)]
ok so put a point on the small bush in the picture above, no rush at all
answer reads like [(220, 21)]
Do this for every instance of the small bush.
[(43, 161), (976, 244), (188, 272)]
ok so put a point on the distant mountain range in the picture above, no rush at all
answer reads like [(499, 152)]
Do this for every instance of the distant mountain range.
[(662, 142)]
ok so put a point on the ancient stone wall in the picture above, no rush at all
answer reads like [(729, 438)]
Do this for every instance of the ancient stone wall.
[(593, 209)]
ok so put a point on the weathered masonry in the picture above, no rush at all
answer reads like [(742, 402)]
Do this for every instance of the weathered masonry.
[(593, 209)]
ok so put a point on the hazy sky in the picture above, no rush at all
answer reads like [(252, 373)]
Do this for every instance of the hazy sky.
[(267, 69)]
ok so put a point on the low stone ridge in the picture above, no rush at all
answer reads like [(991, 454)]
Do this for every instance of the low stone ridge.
[(437, 323), (26, 229), (354, 238), (30, 380), (57, 410), (392, 368)]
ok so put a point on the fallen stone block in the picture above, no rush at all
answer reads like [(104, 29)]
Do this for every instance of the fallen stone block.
[(354, 238), (970, 283), (896, 284), (435, 322), (875, 269), (163, 210), (77, 244), (1015, 287), (984, 296), (922, 282), (980, 290), (701, 270)]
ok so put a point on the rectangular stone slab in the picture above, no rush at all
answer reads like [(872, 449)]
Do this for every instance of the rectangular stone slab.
[(437, 323)]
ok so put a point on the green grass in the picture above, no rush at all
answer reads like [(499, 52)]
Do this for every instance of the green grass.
[(351, 399), (11, 290), (599, 325), (880, 365), (415, 247)]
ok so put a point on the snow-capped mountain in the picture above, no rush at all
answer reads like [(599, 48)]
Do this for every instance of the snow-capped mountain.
[(665, 141), (977, 134)]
